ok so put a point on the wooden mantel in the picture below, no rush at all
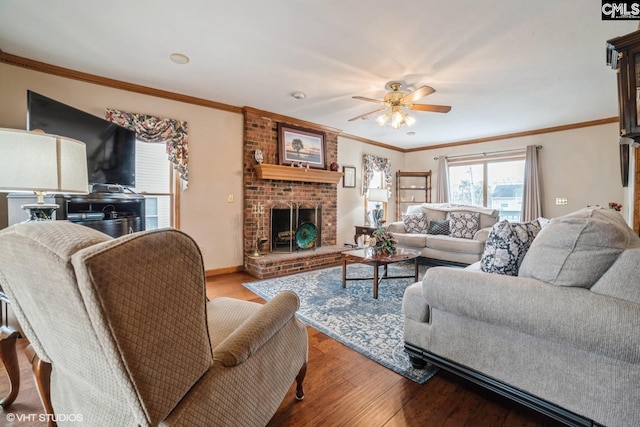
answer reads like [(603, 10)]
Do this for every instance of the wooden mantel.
[(288, 173)]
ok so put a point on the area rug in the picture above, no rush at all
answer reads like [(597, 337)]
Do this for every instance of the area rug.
[(351, 316)]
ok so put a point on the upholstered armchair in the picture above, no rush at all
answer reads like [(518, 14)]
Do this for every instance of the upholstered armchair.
[(131, 338)]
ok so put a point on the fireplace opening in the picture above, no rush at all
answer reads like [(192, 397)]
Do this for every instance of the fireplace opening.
[(295, 226)]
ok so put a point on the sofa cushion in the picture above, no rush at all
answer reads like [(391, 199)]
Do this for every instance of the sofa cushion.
[(455, 244), (621, 280), (439, 226), (576, 249), (506, 246), (416, 223), (464, 224), (411, 240)]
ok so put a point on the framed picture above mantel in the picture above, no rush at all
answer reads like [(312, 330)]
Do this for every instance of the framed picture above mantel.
[(301, 147)]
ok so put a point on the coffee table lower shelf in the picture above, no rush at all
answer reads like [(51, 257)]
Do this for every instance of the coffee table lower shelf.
[(366, 256)]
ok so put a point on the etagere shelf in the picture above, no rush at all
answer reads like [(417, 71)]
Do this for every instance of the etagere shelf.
[(411, 188)]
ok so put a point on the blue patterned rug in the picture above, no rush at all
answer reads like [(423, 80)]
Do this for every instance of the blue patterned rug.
[(351, 316)]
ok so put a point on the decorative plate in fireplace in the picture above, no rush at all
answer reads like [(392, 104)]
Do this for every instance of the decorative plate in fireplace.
[(306, 235)]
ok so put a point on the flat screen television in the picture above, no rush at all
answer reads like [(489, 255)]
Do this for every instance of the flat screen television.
[(111, 149)]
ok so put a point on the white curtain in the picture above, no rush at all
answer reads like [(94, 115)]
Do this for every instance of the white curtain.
[(531, 199), (442, 196)]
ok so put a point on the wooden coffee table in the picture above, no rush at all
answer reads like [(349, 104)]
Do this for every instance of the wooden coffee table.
[(367, 256)]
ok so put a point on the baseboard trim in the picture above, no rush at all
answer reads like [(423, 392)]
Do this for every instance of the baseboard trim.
[(550, 409), (225, 270)]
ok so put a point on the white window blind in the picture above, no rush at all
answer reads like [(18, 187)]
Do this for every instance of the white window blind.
[(153, 180)]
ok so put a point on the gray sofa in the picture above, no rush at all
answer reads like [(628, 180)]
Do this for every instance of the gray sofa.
[(443, 247), (563, 336)]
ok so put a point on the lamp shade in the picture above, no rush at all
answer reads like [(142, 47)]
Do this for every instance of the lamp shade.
[(378, 195), (41, 162)]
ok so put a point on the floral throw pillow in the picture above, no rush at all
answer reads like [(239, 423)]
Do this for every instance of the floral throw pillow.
[(437, 226), (506, 246), (416, 223), (464, 224)]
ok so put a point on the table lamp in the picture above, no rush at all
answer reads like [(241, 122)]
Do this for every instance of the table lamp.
[(41, 163), (379, 196)]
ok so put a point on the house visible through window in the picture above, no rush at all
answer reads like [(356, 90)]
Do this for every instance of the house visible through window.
[(154, 182), (495, 182)]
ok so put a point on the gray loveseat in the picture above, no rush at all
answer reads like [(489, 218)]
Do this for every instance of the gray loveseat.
[(563, 336), (416, 231)]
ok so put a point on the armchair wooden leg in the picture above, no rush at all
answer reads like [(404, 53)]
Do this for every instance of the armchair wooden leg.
[(9, 358), (299, 381), (42, 375)]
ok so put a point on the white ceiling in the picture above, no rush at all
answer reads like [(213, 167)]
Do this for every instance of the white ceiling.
[(503, 65)]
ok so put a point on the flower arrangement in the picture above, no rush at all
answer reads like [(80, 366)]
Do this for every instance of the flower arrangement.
[(383, 242), (615, 206)]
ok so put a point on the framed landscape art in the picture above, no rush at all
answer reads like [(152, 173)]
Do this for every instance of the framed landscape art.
[(301, 147)]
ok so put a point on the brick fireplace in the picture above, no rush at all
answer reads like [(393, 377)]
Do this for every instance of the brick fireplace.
[(261, 132)]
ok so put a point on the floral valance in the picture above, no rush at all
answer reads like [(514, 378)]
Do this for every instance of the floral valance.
[(158, 129), (372, 164)]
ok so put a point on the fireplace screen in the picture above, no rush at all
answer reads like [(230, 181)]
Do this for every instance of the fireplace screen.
[(295, 226)]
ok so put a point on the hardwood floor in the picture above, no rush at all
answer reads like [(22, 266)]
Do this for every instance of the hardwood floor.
[(342, 388)]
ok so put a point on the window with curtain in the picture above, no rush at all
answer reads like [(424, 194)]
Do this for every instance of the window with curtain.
[(376, 175), (161, 150), (494, 181)]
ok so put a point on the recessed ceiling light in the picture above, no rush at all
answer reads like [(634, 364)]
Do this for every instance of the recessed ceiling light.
[(179, 58), (298, 95)]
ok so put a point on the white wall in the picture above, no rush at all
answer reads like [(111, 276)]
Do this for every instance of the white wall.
[(582, 165), (350, 200), (215, 148)]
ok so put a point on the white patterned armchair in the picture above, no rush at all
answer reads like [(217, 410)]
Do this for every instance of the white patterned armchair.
[(131, 337)]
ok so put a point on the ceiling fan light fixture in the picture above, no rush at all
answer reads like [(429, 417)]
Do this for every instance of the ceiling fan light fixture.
[(382, 119), (409, 120)]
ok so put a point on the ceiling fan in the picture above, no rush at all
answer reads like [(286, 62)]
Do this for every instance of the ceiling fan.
[(395, 103)]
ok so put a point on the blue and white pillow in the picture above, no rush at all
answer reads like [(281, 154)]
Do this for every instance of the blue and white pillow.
[(464, 224), (506, 246), (416, 223)]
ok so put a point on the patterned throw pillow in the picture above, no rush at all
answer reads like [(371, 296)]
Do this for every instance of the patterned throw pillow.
[(416, 223), (507, 245), (439, 226), (464, 224)]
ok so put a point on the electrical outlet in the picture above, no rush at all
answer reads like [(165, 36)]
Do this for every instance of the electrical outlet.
[(562, 201), (230, 198)]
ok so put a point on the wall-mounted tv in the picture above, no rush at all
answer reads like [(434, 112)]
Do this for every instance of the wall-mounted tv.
[(111, 149)]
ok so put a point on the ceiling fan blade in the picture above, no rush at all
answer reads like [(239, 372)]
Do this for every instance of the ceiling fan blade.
[(431, 108), (421, 92), (362, 98), (362, 116)]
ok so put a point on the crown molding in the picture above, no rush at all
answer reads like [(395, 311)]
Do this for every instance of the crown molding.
[(519, 134), (291, 120), (43, 67)]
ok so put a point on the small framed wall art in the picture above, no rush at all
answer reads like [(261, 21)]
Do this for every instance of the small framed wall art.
[(301, 147), (349, 178)]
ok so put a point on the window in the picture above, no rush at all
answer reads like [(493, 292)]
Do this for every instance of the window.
[(375, 209), (153, 181), (495, 182)]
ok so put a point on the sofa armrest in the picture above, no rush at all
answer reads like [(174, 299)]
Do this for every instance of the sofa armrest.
[(575, 316), (482, 234), (396, 227), (257, 329)]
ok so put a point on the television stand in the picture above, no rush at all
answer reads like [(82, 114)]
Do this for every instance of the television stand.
[(115, 214)]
